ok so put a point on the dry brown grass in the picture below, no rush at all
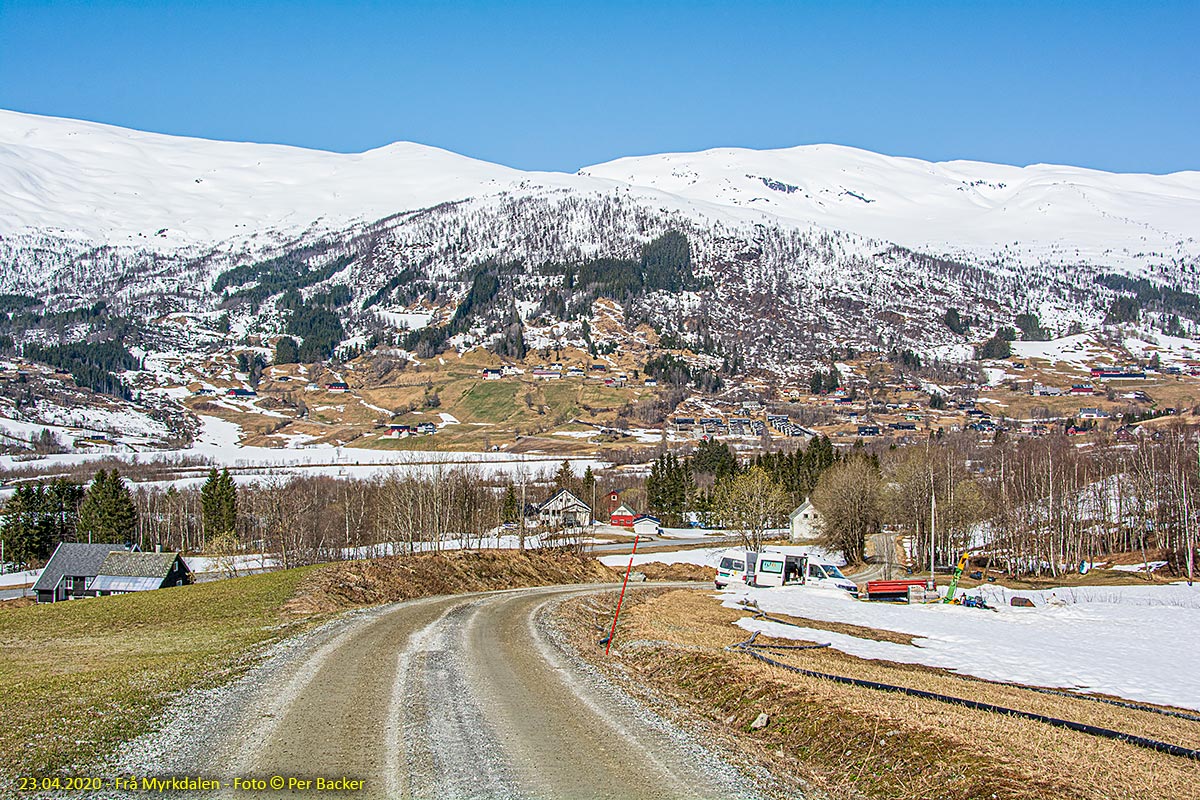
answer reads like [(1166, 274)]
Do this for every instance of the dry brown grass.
[(387, 580), (657, 571), (844, 741)]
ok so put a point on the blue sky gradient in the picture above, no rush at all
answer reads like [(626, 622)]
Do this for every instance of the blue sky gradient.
[(544, 85)]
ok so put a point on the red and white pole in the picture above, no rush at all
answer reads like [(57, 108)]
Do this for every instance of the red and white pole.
[(625, 583)]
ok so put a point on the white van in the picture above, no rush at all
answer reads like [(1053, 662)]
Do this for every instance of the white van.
[(779, 569), (737, 567), (822, 574)]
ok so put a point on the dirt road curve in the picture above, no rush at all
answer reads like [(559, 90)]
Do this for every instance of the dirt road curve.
[(460, 697), (883, 565)]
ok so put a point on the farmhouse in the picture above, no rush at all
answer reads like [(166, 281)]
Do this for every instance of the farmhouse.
[(492, 374), (91, 570), (564, 510), (804, 522), (338, 387)]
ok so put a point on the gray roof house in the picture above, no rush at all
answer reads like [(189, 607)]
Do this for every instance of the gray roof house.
[(69, 571), (95, 570)]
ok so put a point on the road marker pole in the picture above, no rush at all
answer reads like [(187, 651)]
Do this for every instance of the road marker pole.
[(625, 583)]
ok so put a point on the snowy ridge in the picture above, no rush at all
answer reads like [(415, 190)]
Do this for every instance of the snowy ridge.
[(106, 185), (949, 207)]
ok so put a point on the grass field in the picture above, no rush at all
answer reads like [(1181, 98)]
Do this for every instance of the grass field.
[(82, 676), (491, 401)]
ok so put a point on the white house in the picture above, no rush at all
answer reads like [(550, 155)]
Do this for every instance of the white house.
[(804, 522), (564, 510)]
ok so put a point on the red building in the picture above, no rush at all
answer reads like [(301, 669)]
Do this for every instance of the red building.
[(622, 516)]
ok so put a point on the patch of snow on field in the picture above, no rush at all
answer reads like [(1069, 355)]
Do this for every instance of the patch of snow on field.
[(1127, 641), (1153, 565), (1079, 350), (218, 445)]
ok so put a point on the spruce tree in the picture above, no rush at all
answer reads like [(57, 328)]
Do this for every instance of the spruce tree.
[(218, 504), (229, 501), (107, 513), (510, 511)]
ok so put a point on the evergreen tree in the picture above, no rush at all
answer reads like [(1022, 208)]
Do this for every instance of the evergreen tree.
[(668, 488), (37, 518), (588, 486), (24, 536), (996, 347), (218, 504), (107, 513), (565, 478), (713, 458), (287, 351), (510, 509)]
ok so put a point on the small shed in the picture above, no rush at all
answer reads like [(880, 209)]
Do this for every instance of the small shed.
[(646, 525)]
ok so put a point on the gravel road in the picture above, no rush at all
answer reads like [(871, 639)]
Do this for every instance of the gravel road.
[(881, 566), (453, 697)]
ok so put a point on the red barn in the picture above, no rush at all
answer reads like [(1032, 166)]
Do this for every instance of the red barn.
[(622, 516)]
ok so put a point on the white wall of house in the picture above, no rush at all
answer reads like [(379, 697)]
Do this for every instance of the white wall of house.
[(804, 522)]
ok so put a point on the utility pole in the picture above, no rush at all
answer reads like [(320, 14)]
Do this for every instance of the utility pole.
[(932, 526), (521, 533), (1188, 534)]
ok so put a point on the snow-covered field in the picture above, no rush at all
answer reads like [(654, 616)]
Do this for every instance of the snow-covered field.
[(218, 444), (711, 556), (1136, 642)]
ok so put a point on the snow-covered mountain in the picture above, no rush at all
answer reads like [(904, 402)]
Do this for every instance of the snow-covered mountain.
[(948, 207), (115, 186), (791, 251)]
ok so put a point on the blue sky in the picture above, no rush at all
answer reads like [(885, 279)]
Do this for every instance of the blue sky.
[(541, 85)]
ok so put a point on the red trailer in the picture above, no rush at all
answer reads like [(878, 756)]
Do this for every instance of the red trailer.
[(896, 589)]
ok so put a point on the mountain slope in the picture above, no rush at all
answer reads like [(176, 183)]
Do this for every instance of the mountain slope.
[(786, 255)]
